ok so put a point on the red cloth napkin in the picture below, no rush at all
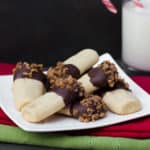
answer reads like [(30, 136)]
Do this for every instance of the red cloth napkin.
[(6, 68), (139, 128)]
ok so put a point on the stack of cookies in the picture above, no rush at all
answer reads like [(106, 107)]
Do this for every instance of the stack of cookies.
[(72, 88)]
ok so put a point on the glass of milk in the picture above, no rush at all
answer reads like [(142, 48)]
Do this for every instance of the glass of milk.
[(136, 35)]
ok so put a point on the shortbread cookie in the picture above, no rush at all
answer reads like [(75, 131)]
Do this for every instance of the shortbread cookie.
[(74, 66), (121, 102), (29, 83), (99, 77), (83, 60)]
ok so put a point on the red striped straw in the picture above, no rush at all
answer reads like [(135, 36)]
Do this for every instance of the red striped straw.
[(110, 6), (137, 3)]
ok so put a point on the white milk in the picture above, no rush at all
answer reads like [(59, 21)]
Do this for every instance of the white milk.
[(136, 35)]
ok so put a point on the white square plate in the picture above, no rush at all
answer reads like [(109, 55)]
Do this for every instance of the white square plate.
[(62, 123)]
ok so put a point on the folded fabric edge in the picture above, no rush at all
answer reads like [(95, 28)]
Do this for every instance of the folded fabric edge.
[(16, 135)]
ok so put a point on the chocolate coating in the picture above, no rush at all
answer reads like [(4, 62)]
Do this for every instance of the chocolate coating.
[(78, 110), (68, 96), (97, 77), (72, 70), (37, 75)]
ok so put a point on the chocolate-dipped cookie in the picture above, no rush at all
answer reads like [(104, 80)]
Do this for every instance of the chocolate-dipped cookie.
[(104, 75), (88, 109), (74, 66), (83, 60), (28, 83), (64, 92)]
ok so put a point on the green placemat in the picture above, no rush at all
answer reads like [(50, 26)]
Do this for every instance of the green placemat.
[(16, 135)]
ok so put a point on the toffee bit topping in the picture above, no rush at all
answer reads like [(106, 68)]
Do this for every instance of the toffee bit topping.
[(59, 71), (90, 108), (26, 70), (62, 70), (111, 72), (70, 84)]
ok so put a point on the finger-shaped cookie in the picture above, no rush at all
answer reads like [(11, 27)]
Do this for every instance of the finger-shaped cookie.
[(83, 60), (74, 66), (61, 95), (29, 83), (43, 107), (103, 75), (121, 102), (90, 108)]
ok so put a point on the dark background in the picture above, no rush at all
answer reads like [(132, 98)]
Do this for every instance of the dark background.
[(45, 31)]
